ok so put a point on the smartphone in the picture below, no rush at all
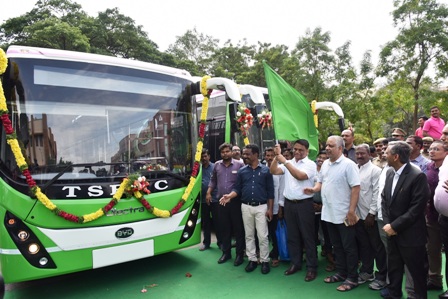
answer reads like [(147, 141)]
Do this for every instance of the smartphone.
[(346, 220)]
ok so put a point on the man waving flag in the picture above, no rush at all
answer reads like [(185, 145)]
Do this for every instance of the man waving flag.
[(291, 112)]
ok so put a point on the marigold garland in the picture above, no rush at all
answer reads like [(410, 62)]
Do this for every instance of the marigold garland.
[(133, 186), (314, 110)]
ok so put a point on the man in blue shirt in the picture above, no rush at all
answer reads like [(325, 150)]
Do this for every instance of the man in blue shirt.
[(255, 186), (208, 208)]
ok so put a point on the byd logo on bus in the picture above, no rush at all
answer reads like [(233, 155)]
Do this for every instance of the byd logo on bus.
[(124, 232)]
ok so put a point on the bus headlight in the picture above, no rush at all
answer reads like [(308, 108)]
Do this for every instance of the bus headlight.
[(23, 235), (43, 261), (33, 248)]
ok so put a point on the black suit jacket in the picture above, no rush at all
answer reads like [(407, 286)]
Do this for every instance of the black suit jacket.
[(405, 209)]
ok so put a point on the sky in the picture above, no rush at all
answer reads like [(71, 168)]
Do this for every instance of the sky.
[(367, 24)]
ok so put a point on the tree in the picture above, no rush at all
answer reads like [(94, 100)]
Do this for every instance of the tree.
[(193, 51), (315, 59), (48, 19), (420, 44), (233, 61)]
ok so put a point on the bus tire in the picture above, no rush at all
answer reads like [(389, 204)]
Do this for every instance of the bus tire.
[(2, 287)]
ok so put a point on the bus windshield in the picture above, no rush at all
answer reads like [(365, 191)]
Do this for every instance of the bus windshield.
[(93, 121)]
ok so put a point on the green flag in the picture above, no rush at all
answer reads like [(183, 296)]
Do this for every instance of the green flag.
[(291, 112)]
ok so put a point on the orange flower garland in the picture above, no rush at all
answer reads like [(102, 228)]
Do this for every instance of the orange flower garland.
[(134, 186)]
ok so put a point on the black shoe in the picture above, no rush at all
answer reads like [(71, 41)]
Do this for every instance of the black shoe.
[(224, 258), (444, 295), (251, 266), (431, 286), (292, 269), (238, 260), (265, 268)]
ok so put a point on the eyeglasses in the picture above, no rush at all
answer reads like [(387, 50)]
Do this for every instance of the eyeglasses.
[(397, 135)]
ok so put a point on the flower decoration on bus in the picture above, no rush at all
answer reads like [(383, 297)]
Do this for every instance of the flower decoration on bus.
[(265, 119), (244, 119), (135, 184), (154, 167)]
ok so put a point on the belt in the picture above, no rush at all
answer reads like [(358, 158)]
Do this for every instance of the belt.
[(298, 200), (254, 203)]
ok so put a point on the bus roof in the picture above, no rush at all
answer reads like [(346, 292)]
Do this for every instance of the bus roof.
[(56, 54)]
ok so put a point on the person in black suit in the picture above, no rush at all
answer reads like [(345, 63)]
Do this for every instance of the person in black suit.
[(404, 200)]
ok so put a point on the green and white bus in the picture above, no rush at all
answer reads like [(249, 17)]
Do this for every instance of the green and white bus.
[(222, 112), (79, 132)]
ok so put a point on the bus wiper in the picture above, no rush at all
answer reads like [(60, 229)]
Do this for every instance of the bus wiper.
[(60, 173), (167, 173)]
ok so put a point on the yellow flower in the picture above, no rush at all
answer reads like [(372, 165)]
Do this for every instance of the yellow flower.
[(3, 61), (161, 213), (93, 216), (14, 144), (44, 200), (3, 106), (204, 109), (204, 90), (120, 190), (246, 141)]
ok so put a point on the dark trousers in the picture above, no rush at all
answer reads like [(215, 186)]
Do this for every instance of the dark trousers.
[(231, 222), (328, 247), (209, 216), (272, 227), (299, 217), (345, 249), (371, 248), (415, 259)]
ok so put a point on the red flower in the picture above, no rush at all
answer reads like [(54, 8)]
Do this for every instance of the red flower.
[(195, 170), (109, 206), (202, 130), (69, 217)]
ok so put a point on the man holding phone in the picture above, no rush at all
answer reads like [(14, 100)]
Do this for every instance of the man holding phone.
[(255, 187), (298, 207)]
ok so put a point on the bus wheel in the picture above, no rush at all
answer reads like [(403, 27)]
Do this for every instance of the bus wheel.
[(2, 287)]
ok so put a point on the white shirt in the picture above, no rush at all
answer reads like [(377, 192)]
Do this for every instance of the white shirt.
[(337, 179), (381, 183), (279, 186), (293, 187), (369, 175)]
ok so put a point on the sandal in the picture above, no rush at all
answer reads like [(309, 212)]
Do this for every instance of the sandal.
[(330, 267), (347, 285), (275, 263), (334, 278)]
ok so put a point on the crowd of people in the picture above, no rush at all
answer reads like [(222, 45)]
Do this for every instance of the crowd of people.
[(379, 212)]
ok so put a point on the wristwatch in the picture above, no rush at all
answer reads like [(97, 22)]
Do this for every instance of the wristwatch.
[(287, 162)]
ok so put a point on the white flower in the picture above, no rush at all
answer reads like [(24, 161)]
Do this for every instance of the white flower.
[(245, 126), (140, 179), (238, 114), (259, 115), (263, 113), (143, 178)]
